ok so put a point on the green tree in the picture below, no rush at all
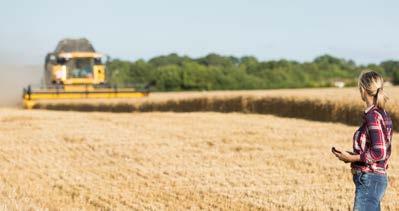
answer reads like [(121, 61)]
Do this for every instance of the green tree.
[(168, 78), (217, 60), (217, 72), (390, 67), (395, 77)]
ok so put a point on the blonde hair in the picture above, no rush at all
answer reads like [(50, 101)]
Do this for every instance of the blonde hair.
[(373, 83)]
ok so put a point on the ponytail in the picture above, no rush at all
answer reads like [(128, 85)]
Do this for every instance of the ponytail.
[(380, 98)]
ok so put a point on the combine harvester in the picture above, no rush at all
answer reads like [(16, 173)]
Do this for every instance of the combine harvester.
[(76, 71)]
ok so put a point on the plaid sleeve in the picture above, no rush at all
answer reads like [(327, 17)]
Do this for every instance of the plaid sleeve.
[(377, 149)]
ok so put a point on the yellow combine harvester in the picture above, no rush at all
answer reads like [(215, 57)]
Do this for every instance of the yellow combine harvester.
[(76, 71)]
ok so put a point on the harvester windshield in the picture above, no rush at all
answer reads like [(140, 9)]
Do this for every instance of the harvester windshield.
[(80, 68)]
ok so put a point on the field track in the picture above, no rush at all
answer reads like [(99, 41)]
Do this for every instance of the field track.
[(76, 160)]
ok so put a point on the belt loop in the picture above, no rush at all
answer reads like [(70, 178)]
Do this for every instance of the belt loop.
[(360, 177)]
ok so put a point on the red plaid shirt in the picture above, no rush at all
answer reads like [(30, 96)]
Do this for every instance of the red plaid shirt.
[(373, 141)]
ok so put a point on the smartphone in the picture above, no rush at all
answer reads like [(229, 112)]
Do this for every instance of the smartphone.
[(335, 150)]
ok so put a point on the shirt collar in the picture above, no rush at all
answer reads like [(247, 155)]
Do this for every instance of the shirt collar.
[(369, 109)]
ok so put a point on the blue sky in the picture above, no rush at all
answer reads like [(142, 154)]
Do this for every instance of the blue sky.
[(365, 31)]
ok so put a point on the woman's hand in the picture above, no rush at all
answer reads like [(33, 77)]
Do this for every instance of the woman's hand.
[(344, 156)]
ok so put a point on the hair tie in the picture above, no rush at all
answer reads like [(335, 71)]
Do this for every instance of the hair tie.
[(378, 90)]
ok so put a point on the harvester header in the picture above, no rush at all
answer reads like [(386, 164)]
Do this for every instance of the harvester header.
[(76, 71)]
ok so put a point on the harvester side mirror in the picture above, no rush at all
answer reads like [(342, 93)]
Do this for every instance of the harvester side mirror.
[(27, 91), (104, 59), (51, 58)]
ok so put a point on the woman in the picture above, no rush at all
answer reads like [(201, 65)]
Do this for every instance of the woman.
[(371, 145)]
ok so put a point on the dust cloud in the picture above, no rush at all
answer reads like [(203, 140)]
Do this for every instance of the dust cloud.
[(13, 78)]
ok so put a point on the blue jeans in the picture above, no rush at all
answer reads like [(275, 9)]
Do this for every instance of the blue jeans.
[(370, 188)]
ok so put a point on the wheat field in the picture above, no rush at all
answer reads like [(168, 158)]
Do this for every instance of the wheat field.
[(322, 104), (347, 94), (175, 161)]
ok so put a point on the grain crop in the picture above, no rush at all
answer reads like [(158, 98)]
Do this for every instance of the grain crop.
[(321, 104), (175, 161)]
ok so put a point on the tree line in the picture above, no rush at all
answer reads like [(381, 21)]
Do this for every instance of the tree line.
[(216, 72)]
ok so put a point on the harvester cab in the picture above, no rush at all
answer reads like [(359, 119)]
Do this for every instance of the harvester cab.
[(76, 71)]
